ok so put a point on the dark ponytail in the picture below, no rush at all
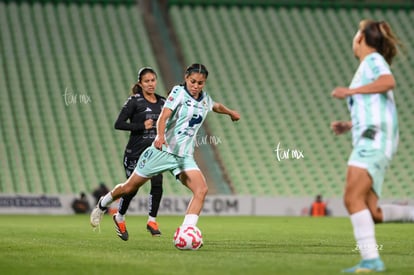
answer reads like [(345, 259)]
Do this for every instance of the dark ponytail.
[(378, 35), (136, 89)]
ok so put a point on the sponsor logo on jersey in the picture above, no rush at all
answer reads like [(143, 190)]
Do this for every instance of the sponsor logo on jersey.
[(195, 120)]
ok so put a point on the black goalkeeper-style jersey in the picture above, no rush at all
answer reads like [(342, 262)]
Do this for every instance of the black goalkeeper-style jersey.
[(137, 109)]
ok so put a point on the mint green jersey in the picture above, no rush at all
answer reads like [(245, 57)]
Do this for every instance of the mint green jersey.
[(374, 116), (188, 114)]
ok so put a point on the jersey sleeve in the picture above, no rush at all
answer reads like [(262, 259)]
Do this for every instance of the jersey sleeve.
[(125, 114), (379, 67), (175, 97), (211, 103)]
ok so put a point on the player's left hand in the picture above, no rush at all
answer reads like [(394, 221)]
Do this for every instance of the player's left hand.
[(341, 92), (235, 116), (148, 124)]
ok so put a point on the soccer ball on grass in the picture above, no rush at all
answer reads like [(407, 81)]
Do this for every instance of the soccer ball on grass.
[(188, 237)]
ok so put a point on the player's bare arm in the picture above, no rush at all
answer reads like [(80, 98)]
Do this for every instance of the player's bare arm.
[(221, 109), (161, 122), (383, 84)]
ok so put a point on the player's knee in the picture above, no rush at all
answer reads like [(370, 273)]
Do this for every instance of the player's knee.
[(204, 190), (353, 202), (201, 190), (347, 199)]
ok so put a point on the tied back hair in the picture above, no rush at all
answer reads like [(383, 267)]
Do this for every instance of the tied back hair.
[(196, 68), (136, 88), (379, 35)]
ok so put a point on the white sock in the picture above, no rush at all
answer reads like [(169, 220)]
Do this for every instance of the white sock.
[(152, 219), (107, 200), (119, 217), (364, 232), (397, 213), (190, 219)]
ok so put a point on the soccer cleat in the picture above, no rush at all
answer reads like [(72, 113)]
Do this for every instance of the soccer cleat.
[(120, 228), (366, 266), (97, 214), (152, 227)]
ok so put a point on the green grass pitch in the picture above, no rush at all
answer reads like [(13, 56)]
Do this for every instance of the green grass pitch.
[(232, 245)]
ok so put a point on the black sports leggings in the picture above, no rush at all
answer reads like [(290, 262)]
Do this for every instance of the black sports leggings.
[(155, 192)]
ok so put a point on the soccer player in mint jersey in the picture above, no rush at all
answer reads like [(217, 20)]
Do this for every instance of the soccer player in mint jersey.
[(183, 114), (374, 127), (139, 115)]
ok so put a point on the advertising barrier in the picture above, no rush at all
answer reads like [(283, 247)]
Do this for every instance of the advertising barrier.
[(215, 205)]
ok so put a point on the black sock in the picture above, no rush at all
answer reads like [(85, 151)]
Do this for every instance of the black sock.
[(155, 195)]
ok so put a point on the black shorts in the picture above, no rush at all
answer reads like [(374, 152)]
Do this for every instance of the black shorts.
[(129, 165)]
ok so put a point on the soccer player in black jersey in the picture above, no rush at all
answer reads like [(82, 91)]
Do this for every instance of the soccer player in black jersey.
[(181, 117), (139, 115)]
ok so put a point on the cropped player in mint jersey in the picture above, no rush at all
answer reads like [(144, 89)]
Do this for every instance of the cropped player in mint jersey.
[(183, 114), (374, 127)]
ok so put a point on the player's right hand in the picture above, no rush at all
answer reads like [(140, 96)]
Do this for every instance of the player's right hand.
[(340, 127), (159, 141)]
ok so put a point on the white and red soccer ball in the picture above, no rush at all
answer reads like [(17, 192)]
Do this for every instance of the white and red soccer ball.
[(188, 237)]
